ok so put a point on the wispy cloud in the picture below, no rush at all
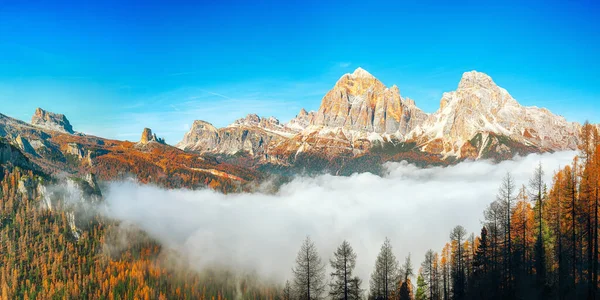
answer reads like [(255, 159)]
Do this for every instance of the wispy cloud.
[(216, 94)]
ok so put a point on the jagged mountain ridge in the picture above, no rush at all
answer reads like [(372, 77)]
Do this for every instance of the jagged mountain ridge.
[(358, 110), (62, 151), (360, 114)]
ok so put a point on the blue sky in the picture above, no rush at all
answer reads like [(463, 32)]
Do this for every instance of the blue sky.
[(116, 67)]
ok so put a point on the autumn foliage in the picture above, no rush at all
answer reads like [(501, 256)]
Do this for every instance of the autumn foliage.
[(41, 258), (155, 163), (538, 243)]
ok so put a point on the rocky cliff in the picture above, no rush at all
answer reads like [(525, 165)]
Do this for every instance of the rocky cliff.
[(361, 102), (251, 135), (10, 155), (148, 137), (51, 121)]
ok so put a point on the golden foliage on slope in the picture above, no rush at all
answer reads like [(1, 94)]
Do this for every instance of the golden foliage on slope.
[(153, 163), (41, 258)]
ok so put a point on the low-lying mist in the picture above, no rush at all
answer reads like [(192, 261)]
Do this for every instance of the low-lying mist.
[(416, 208)]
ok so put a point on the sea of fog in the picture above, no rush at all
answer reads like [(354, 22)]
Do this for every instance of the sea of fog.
[(415, 207)]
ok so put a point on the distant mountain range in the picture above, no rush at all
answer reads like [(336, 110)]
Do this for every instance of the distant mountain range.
[(49, 144), (360, 124), (362, 119)]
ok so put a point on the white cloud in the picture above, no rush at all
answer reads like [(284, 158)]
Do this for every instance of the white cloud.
[(416, 208)]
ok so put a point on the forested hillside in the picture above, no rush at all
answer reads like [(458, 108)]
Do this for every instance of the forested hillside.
[(54, 252), (538, 240)]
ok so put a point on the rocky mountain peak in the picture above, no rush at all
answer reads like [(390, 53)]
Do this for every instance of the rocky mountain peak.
[(273, 120), (202, 135), (361, 102), (478, 92), (250, 119), (302, 113), (359, 82), (199, 124), (51, 121), (148, 136), (361, 73), (479, 106), (476, 80)]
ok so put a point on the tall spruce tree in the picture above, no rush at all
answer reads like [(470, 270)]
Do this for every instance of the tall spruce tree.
[(309, 273), (481, 267), (343, 264), (386, 273), (457, 236), (428, 271), (536, 189), (506, 195), (405, 292)]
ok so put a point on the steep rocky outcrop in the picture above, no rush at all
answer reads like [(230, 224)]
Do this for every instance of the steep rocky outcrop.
[(12, 156), (51, 121), (24, 145), (76, 150), (148, 137)]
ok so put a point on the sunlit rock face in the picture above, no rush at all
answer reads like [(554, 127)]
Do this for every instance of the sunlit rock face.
[(148, 136), (251, 135), (51, 121), (361, 102), (479, 106), (202, 136)]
